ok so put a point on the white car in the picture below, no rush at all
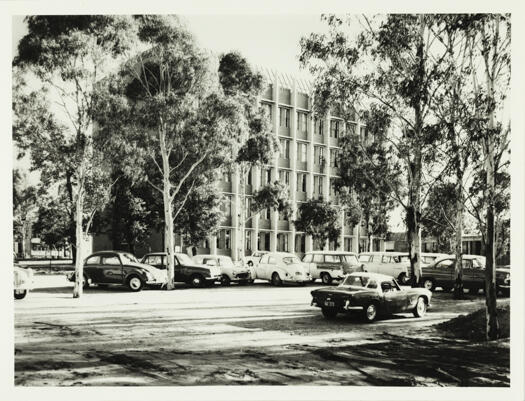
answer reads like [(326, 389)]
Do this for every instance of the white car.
[(23, 281), (282, 267), (395, 264), (254, 259), (229, 271)]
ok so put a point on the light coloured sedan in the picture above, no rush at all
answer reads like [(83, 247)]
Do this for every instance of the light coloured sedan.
[(229, 271), (282, 267)]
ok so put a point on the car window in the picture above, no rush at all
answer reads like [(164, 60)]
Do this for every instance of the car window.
[(332, 258), (307, 258), (271, 260), (352, 259), (364, 258), (111, 260), (209, 261), (355, 281), (376, 258), (386, 286), (291, 259), (265, 258), (128, 258), (477, 264), (445, 263), (466, 263), (372, 284), (318, 258), (154, 260), (385, 259), (93, 260)]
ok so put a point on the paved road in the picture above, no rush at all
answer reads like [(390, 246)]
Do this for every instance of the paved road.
[(255, 334)]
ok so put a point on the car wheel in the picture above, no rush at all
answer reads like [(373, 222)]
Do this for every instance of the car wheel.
[(135, 283), (20, 294), (370, 312), (329, 313), (196, 281), (326, 278), (420, 308), (403, 279), (429, 284), (276, 280), (473, 291), (225, 280)]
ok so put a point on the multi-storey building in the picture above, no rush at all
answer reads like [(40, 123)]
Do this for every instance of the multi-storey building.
[(307, 163)]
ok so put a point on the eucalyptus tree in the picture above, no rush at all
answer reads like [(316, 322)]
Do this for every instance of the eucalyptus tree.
[(68, 55), (168, 105), (241, 83), (388, 61)]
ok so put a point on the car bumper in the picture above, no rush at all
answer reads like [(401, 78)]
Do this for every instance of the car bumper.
[(213, 279), (242, 276)]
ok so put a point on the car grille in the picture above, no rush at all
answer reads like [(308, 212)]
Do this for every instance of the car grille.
[(243, 276)]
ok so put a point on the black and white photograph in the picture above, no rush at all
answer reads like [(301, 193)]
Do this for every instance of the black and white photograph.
[(267, 204)]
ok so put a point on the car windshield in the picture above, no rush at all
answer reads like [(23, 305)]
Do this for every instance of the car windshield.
[(184, 259), (359, 281), (351, 259), (128, 257), (291, 259)]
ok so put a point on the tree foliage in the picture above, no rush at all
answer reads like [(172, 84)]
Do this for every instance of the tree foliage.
[(320, 219)]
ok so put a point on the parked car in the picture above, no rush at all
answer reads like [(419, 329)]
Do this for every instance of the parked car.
[(282, 267), (331, 265), (254, 259), (371, 294), (186, 270), (395, 264), (229, 271), (23, 281), (117, 267), (427, 258), (441, 274)]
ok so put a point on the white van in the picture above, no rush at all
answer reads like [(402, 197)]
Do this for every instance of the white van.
[(395, 264)]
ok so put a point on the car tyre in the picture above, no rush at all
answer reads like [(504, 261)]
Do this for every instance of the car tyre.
[(326, 278), (196, 281), (135, 283), (276, 280), (225, 280), (421, 307), (370, 312), (329, 313), (20, 294), (429, 284)]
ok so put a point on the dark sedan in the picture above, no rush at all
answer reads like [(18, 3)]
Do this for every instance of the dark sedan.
[(116, 267), (186, 270), (371, 294)]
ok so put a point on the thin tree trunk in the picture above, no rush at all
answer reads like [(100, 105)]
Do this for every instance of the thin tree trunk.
[(458, 271), (79, 266), (168, 213), (242, 211)]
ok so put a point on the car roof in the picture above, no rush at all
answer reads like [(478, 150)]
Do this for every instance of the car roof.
[(376, 276), (282, 254), (105, 252), (330, 253), (385, 253), (212, 256)]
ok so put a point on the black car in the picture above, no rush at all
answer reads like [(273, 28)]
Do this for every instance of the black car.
[(186, 270), (116, 267)]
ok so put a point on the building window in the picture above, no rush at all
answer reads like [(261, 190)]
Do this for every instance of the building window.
[(227, 206), (248, 240), (348, 244), (351, 128), (302, 122), (302, 152), (223, 239), (319, 155), (334, 155), (266, 176), (226, 175), (318, 184), (319, 125), (283, 217), (285, 149), (249, 177), (332, 186), (301, 182), (248, 207), (284, 117), (335, 128), (268, 110), (300, 243), (263, 241), (282, 242), (363, 134)]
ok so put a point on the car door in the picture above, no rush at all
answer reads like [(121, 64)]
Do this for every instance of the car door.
[(443, 272), (469, 275), (395, 299), (92, 268), (374, 265), (318, 261), (307, 259), (111, 271)]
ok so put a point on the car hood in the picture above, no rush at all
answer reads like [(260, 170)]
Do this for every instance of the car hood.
[(341, 290), (149, 268)]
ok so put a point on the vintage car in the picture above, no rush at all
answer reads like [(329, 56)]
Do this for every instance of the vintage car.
[(229, 271), (282, 267), (186, 270), (441, 274), (23, 281), (117, 267), (331, 265), (395, 264), (254, 259), (427, 258), (371, 294)]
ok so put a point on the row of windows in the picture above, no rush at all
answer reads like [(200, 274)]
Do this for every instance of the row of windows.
[(302, 153)]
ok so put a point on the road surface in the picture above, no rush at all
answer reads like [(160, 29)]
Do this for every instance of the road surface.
[(255, 334)]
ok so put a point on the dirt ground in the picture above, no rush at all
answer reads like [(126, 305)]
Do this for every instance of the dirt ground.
[(251, 335)]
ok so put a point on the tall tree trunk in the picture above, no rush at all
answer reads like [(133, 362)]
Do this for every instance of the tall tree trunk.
[(79, 208), (72, 231), (458, 270), (168, 213), (242, 211)]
